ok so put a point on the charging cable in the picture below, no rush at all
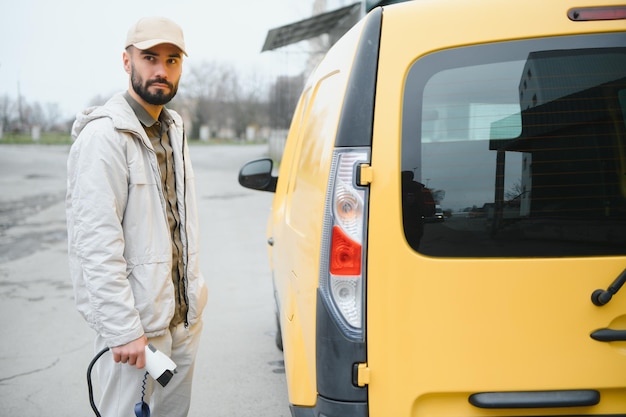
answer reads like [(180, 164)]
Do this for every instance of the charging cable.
[(141, 408), (89, 385)]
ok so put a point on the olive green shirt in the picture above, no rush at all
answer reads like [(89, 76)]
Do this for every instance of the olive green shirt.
[(157, 132)]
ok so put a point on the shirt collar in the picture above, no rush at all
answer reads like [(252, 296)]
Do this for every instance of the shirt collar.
[(143, 116)]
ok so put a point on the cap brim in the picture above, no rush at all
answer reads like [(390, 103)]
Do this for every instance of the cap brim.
[(154, 42)]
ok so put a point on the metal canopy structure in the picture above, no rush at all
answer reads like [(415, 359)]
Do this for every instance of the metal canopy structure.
[(336, 23), (342, 18)]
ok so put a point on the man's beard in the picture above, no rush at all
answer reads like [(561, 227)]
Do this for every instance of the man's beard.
[(158, 98)]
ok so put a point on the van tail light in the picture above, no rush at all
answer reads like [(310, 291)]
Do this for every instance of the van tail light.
[(345, 254), (583, 14), (341, 268)]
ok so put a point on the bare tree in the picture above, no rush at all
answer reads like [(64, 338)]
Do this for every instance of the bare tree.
[(220, 98), (283, 99), (52, 117), (205, 90), (515, 191), (7, 113)]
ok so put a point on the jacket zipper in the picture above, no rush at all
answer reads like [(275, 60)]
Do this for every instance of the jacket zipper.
[(185, 247)]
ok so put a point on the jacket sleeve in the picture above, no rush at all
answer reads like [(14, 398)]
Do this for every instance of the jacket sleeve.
[(96, 200)]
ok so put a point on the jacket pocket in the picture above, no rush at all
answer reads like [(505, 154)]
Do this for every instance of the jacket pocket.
[(154, 294)]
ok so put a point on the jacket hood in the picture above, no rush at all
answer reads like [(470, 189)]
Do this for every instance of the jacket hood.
[(119, 111), (116, 108)]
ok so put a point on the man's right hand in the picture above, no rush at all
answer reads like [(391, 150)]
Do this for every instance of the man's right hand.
[(132, 353)]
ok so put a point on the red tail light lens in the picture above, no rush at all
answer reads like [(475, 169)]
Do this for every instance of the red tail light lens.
[(597, 13), (345, 254)]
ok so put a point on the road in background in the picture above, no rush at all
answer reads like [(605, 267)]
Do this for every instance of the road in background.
[(46, 346)]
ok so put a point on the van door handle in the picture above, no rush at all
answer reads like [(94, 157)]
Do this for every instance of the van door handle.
[(609, 335), (270, 241), (535, 399)]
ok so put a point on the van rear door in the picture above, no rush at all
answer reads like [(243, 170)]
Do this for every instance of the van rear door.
[(522, 142)]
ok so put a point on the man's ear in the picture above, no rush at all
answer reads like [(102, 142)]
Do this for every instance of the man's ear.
[(126, 61)]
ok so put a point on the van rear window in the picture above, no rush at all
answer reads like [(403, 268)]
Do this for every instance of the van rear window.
[(518, 149)]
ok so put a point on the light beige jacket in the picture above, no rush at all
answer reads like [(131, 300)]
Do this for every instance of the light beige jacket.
[(118, 236)]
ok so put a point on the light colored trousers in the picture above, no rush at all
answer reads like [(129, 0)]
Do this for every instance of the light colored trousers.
[(121, 384)]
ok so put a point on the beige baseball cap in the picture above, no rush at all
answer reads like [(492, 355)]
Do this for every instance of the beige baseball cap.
[(151, 31)]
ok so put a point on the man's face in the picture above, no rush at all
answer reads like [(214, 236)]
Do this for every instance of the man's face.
[(155, 72)]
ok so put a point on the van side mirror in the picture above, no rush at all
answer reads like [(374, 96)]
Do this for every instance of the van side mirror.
[(257, 175)]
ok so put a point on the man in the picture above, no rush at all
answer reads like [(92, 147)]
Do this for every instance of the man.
[(133, 228)]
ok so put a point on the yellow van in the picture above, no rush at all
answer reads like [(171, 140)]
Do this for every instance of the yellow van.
[(448, 230)]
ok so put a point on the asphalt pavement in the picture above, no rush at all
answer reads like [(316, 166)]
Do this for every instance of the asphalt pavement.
[(46, 346)]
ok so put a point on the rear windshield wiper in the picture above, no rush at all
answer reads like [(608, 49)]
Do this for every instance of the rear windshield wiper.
[(601, 297)]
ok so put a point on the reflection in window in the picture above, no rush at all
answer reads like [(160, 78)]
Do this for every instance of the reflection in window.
[(525, 157)]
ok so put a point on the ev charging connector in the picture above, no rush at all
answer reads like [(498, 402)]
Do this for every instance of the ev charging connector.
[(159, 365)]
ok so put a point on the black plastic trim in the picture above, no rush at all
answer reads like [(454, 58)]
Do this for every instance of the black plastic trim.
[(336, 356), (357, 115), (608, 335), (535, 399), (330, 408), (298, 411)]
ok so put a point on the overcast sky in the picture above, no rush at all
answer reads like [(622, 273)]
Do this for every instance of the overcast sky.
[(69, 51)]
